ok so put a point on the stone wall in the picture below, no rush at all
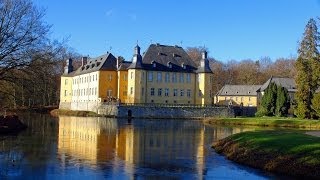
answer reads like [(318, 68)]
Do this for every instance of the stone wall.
[(65, 105), (80, 106), (165, 112)]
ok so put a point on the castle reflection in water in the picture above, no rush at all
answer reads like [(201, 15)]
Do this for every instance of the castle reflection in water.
[(157, 144)]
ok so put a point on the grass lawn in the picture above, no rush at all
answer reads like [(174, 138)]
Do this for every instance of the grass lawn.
[(288, 152), (268, 121)]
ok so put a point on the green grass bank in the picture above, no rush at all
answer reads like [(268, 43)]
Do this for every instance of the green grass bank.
[(287, 152), (267, 122), (57, 112)]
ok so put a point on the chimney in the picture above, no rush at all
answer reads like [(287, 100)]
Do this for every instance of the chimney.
[(83, 61), (118, 62), (68, 68)]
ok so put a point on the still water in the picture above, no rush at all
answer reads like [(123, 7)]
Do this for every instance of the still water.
[(101, 148)]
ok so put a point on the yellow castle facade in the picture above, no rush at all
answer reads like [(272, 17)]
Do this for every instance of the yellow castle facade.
[(162, 75)]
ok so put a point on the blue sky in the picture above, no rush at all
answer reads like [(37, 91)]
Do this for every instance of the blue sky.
[(230, 29)]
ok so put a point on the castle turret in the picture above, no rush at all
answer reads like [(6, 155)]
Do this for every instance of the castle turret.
[(68, 68), (204, 63), (204, 82), (136, 59), (137, 76)]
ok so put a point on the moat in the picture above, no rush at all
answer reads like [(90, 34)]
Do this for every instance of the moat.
[(101, 148)]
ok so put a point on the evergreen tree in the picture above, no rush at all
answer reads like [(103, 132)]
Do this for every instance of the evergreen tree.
[(308, 70), (316, 104), (268, 101), (282, 104)]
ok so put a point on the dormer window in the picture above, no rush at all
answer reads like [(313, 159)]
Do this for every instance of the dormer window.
[(183, 66), (154, 64), (169, 64)]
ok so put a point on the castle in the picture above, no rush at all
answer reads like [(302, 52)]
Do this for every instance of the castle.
[(162, 75)]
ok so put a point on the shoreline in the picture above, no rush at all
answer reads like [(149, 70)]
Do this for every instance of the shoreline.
[(280, 122), (62, 112), (290, 153)]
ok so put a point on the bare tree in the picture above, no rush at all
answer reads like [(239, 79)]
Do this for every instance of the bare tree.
[(22, 33), (195, 53)]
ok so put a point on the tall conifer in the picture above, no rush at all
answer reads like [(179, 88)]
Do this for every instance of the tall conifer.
[(308, 70)]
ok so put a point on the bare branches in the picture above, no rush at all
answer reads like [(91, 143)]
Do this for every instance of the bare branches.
[(22, 31)]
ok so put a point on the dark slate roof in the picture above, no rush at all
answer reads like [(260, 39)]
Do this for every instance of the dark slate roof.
[(287, 83), (104, 62), (238, 90), (206, 68), (162, 55), (123, 66)]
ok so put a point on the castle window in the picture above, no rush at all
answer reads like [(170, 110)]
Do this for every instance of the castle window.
[(109, 93), (169, 64), (167, 77), (131, 75), (181, 92), (142, 91), (160, 92), (150, 76), (188, 78), (152, 91), (181, 80), (200, 93), (189, 93), (131, 90), (175, 92), (249, 98), (66, 82), (124, 93), (174, 77), (153, 64), (166, 92), (159, 77), (65, 92)]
